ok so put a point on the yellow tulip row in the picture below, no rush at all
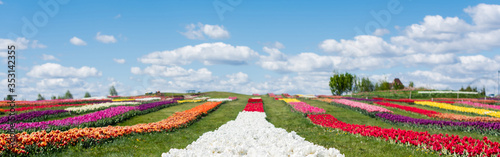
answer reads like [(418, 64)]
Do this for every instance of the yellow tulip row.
[(123, 100), (183, 101), (459, 108), (288, 100)]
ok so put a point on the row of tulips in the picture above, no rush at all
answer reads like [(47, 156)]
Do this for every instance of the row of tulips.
[(459, 108), (98, 106), (250, 134), (360, 105), (481, 127), (446, 144), (468, 99), (43, 142), (475, 104), (255, 100), (87, 118), (185, 101), (439, 115), (306, 108), (43, 107), (396, 100), (32, 116), (254, 107), (54, 102), (288, 100), (361, 99)]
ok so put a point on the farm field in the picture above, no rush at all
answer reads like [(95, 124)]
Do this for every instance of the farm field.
[(340, 126)]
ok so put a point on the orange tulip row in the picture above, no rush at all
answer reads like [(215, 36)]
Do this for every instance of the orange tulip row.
[(32, 143), (458, 117)]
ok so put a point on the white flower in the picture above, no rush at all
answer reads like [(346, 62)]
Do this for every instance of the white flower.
[(99, 106), (251, 135)]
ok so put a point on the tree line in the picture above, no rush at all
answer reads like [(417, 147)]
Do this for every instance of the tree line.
[(68, 95), (341, 83)]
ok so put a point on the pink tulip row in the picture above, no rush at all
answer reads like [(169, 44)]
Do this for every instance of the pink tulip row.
[(364, 106), (306, 108), (475, 104)]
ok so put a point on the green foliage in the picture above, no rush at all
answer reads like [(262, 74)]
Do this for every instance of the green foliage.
[(384, 85), (87, 95), (112, 91), (9, 97), (68, 95), (469, 89), (53, 97), (364, 85), (411, 84), (398, 86), (40, 97), (341, 83)]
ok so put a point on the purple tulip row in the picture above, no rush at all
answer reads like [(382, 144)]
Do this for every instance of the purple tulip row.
[(91, 117), (404, 119), (30, 115), (361, 99)]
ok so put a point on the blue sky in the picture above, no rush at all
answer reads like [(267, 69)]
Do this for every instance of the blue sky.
[(249, 46)]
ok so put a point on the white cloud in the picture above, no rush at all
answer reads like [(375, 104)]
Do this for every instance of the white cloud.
[(35, 45), (432, 76), (470, 65), (486, 15), (53, 70), (19, 43), (105, 38), (215, 31), (207, 53), (1, 2), (361, 46), (46, 57), (200, 30), (119, 61), (135, 70), (118, 16), (381, 32), (426, 59), (236, 79), (77, 41)]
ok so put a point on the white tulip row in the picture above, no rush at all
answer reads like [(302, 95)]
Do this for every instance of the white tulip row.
[(251, 135), (220, 99), (98, 106)]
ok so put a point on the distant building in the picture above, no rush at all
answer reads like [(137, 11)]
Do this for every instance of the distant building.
[(395, 82)]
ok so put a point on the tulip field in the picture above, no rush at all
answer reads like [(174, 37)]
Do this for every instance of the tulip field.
[(231, 124)]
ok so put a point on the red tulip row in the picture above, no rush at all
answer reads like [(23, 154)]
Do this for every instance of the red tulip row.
[(429, 113), (445, 144), (254, 107)]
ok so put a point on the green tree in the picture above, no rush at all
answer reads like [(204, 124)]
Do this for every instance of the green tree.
[(87, 95), (377, 87), (53, 97), (411, 84), (112, 91), (384, 85), (9, 97), (68, 95), (398, 86), (468, 89), (483, 91), (364, 85), (341, 83), (40, 97)]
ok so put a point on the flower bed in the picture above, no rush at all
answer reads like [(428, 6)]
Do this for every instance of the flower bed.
[(439, 115), (306, 108), (31, 116), (251, 135), (362, 106), (54, 102), (254, 107), (98, 106), (184, 101), (42, 107), (288, 100), (445, 144), (219, 99), (87, 118), (475, 104), (255, 100), (459, 108), (481, 127), (40, 142)]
